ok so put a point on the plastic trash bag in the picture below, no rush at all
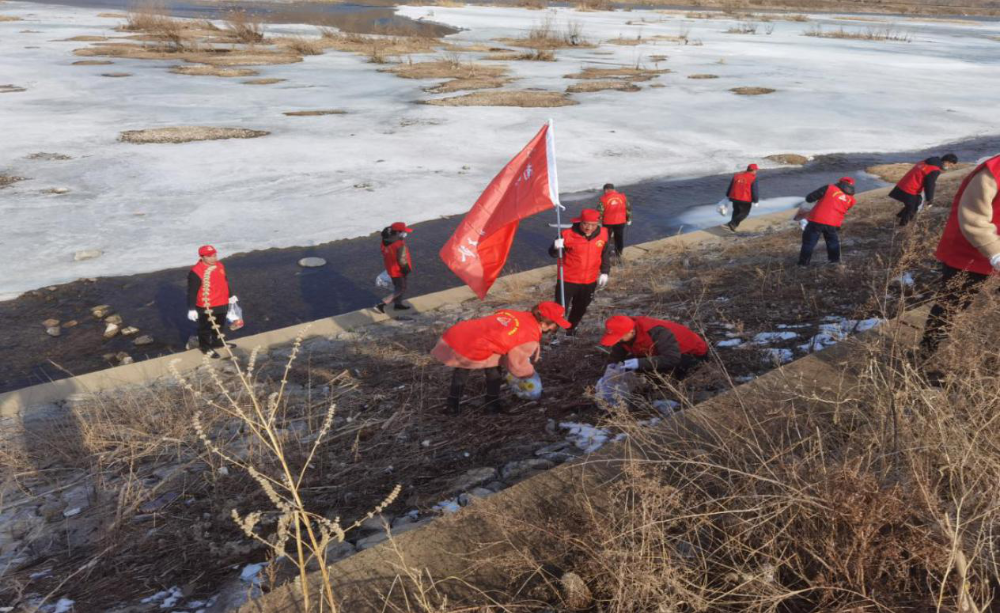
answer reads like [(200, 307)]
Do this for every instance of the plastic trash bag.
[(529, 388), (384, 280), (722, 208), (235, 316), (616, 385)]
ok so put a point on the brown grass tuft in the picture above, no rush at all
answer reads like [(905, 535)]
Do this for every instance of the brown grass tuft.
[(116, 75), (525, 99), (11, 89), (263, 81), (886, 33), (244, 27), (10, 18), (301, 44), (315, 113), (8, 180), (788, 158), (624, 73), (538, 55), (703, 76), (599, 86), (545, 35), (213, 71), (186, 134), (752, 91), (93, 63), (594, 5)]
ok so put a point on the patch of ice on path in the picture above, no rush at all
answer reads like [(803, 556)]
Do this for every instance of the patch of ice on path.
[(769, 337), (782, 356), (585, 436), (837, 330), (733, 342)]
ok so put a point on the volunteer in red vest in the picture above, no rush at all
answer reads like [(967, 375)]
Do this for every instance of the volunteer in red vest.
[(220, 296), (616, 213), (509, 338), (743, 194), (921, 178), (586, 261), (646, 344), (969, 250), (832, 203), (398, 263)]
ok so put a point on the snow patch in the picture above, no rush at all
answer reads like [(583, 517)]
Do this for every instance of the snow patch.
[(836, 330), (448, 506), (585, 436), (781, 356), (733, 342), (251, 573), (765, 338)]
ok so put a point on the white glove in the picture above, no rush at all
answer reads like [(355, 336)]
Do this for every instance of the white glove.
[(193, 315), (628, 223), (995, 262), (559, 244), (602, 281), (803, 223), (756, 204), (233, 299), (631, 364)]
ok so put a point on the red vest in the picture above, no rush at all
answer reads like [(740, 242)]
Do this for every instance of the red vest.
[(643, 345), (218, 286), (390, 256), (582, 256), (913, 182), (615, 211), (832, 207), (479, 339), (743, 186), (954, 249)]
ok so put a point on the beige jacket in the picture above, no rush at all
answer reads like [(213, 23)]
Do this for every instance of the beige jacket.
[(975, 214)]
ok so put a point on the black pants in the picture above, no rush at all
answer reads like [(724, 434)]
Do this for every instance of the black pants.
[(958, 289), (459, 376), (810, 236), (207, 336), (578, 297), (741, 210), (911, 204), (398, 289), (616, 232)]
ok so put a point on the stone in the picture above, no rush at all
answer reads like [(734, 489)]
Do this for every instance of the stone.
[(576, 595), (465, 498), (145, 339), (129, 330), (76, 498), (111, 330), (100, 311), (411, 525), (472, 478), (518, 468), (53, 331), (312, 262), (370, 541), (123, 358), (65, 190), (496, 486), (192, 343), (50, 323), (87, 254), (335, 552), (376, 523), (71, 323), (113, 319), (159, 502)]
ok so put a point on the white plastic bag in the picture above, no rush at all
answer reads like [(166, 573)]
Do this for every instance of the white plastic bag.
[(723, 207), (529, 388), (384, 280), (616, 385), (235, 316)]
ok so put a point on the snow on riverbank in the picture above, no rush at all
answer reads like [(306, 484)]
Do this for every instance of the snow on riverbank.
[(147, 207)]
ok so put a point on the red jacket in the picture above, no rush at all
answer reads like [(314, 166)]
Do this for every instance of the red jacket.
[(479, 339), (643, 345), (391, 259), (742, 189), (218, 286), (913, 181), (954, 249), (614, 206), (584, 257), (832, 207)]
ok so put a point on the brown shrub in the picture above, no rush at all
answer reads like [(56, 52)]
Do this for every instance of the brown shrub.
[(599, 86), (752, 91), (244, 26), (526, 99)]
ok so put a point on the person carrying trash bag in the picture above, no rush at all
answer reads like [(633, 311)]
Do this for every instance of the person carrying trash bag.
[(586, 261), (743, 193), (218, 300), (398, 265), (506, 338), (647, 344), (616, 213), (921, 178), (825, 218)]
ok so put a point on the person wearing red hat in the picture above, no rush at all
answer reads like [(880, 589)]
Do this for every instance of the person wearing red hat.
[(921, 178), (398, 263), (210, 272), (616, 213), (508, 337), (742, 192), (825, 218), (969, 249), (646, 344), (586, 261)]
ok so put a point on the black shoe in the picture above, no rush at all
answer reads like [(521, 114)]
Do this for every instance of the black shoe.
[(212, 353), (401, 307), (571, 332), (453, 405), (493, 404), (380, 308), (731, 227)]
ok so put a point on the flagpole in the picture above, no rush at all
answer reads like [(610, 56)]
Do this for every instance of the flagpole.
[(554, 193)]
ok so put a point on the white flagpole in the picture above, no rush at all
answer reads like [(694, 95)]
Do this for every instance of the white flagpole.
[(550, 154)]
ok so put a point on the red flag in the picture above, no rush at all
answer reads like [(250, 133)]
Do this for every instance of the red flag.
[(527, 185)]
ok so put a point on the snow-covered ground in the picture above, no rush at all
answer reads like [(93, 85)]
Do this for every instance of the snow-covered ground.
[(316, 179)]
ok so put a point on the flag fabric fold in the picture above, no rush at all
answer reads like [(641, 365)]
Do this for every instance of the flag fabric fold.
[(528, 184)]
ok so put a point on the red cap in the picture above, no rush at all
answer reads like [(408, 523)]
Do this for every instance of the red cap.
[(751, 167), (555, 312), (588, 216), (206, 250), (847, 180), (615, 328), (399, 227)]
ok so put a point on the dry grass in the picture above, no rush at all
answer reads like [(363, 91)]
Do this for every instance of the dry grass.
[(84, 39), (743, 28), (703, 76), (256, 56), (449, 3), (887, 33), (11, 89), (624, 73), (378, 49), (600, 86), (537, 55), (155, 20), (116, 75), (93, 63), (113, 15), (213, 71), (788, 158), (534, 5), (752, 91), (9, 18), (8, 180), (594, 5), (546, 35), (244, 27), (300, 44), (524, 99), (463, 75), (269, 81), (316, 113), (186, 134)]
